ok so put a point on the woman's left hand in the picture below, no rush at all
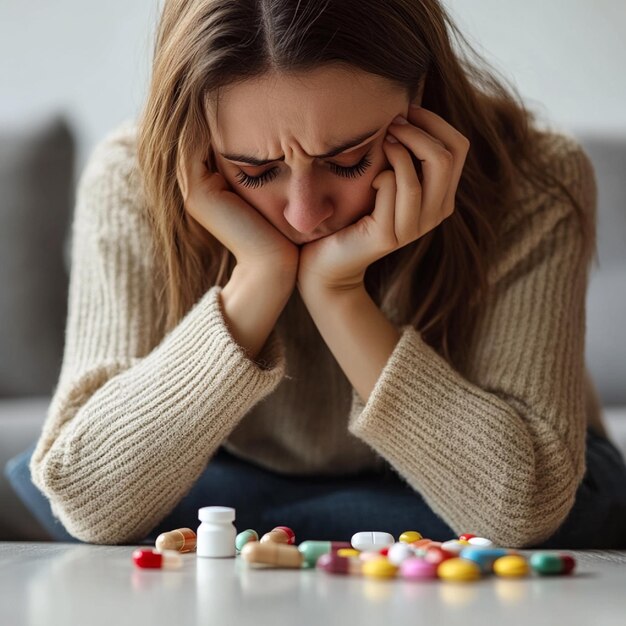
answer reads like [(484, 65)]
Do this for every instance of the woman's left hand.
[(405, 208)]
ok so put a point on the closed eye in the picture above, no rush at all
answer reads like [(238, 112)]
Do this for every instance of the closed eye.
[(347, 172)]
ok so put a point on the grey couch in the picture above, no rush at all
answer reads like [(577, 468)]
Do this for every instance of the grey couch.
[(36, 200)]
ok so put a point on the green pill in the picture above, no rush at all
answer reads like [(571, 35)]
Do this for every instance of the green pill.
[(244, 537), (546, 563), (312, 550)]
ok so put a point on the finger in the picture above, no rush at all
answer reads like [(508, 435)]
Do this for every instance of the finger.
[(385, 207), (408, 194), (437, 166)]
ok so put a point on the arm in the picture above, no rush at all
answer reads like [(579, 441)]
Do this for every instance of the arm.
[(497, 450), (134, 421)]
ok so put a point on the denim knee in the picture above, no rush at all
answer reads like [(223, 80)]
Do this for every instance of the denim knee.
[(17, 472)]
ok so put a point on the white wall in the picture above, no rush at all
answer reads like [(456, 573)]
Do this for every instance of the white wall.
[(91, 60)]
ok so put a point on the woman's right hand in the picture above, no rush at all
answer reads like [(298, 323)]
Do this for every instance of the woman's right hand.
[(255, 243)]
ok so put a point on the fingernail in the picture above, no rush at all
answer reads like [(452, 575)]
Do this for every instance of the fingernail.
[(399, 120), (391, 139), (415, 106)]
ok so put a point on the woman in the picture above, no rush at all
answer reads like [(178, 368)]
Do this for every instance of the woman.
[(295, 293)]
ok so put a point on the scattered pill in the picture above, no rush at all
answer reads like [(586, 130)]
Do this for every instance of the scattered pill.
[(409, 536), (481, 541), (371, 540), (436, 555), (272, 553), (548, 563), (333, 563), (511, 566), (280, 534), (181, 539), (379, 568), (152, 559), (483, 557), (457, 569), (244, 537), (399, 552), (369, 555), (568, 564), (421, 543), (466, 536), (348, 552), (312, 550), (454, 546), (418, 569)]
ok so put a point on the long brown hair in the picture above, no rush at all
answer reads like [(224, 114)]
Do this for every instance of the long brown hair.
[(436, 282)]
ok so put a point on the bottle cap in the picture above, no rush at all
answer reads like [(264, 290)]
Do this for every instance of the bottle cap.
[(216, 514)]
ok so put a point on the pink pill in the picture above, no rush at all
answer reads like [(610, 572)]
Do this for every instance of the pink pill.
[(418, 569)]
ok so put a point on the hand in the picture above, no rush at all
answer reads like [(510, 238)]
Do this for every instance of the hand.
[(254, 242), (406, 207)]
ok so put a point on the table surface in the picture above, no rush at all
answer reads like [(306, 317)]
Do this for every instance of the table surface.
[(80, 584)]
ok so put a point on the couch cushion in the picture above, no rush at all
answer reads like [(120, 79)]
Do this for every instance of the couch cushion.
[(36, 191)]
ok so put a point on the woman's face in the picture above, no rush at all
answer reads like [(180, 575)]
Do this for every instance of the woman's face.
[(292, 123)]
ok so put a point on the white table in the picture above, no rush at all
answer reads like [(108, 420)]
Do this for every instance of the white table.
[(50, 584)]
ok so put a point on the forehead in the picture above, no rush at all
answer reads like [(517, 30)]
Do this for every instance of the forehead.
[(315, 109)]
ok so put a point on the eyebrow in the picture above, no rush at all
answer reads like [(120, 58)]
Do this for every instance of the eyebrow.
[(346, 145)]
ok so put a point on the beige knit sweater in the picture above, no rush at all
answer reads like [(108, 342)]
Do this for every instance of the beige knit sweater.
[(135, 417)]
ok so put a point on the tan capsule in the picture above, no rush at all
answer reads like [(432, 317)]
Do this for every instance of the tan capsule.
[(271, 553), (181, 539), (275, 536)]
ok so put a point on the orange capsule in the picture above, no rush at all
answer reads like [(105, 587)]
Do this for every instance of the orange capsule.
[(181, 539), (280, 534), (272, 553)]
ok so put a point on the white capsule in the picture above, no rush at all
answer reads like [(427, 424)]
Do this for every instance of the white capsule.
[(399, 552), (481, 542), (371, 540)]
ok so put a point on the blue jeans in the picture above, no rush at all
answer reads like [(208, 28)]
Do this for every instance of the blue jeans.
[(322, 507)]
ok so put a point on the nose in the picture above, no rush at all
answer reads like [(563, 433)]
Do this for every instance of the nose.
[(307, 207)]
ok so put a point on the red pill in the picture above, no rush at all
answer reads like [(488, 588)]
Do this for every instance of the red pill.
[(466, 537), (332, 563), (384, 551), (152, 559)]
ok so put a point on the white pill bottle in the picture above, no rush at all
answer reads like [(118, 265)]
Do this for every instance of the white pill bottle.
[(216, 535)]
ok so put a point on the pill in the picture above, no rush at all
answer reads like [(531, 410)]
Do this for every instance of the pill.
[(153, 559), (548, 563), (369, 555), (280, 534), (399, 552), (511, 566), (312, 550), (333, 563), (348, 552), (418, 569), (481, 541), (271, 553), (457, 569), (384, 551), (436, 554), (466, 536), (244, 537), (483, 557), (371, 540), (421, 543), (181, 539), (379, 568), (409, 536), (454, 546)]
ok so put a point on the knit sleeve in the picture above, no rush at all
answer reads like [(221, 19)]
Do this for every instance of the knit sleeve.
[(131, 425), (499, 452)]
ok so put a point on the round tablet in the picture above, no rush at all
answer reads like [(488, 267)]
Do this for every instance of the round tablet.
[(458, 569)]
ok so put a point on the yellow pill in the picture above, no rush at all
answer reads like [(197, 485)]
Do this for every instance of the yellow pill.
[(410, 536), (464, 542), (348, 552), (458, 570), (379, 568), (511, 566)]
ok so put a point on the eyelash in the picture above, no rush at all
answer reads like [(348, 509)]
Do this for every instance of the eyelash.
[(347, 172)]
